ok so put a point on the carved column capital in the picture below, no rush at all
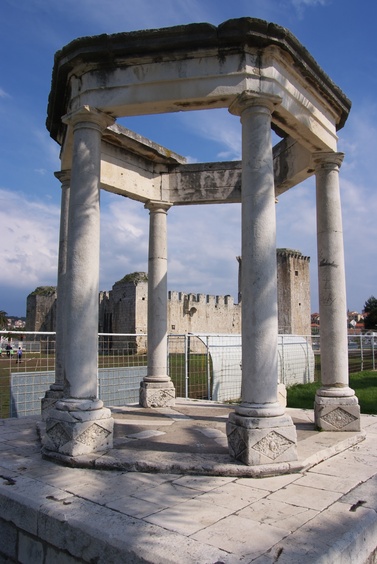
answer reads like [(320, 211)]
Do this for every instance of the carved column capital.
[(249, 98), (158, 206), (327, 160), (87, 116), (64, 176)]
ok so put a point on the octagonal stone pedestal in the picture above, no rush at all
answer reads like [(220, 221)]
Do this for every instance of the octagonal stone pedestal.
[(337, 413), (155, 394), (47, 403), (261, 440), (76, 427)]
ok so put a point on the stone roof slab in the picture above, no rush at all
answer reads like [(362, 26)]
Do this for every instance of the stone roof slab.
[(199, 66)]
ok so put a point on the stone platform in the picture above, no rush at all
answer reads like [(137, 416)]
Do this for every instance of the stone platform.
[(190, 439), (168, 492)]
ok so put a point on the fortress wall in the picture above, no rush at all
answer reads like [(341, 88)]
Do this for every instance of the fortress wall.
[(200, 313), (124, 309)]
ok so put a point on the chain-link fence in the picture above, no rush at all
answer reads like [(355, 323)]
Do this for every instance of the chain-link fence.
[(200, 366), (362, 353), (189, 366), (27, 364)]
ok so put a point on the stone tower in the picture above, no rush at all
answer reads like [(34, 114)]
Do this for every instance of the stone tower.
[(41, 309), (128, 304), (293, 292), (293, 286)]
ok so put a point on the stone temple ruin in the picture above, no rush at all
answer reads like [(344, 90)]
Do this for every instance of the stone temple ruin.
[(266, 78)]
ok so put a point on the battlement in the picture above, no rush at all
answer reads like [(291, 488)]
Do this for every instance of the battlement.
[(292, 253), (174, 296)]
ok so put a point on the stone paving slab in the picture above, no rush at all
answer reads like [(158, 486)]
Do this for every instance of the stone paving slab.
[(324, 512), (336, 536), (238, 536), (278, 514)]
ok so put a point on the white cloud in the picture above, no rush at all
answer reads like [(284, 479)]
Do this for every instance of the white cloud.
[(47, 148), (29, 235), (296, 220), (358, 181), (358, 140), (124, 238), (204, 242), (134, 14), (4, 94), (217, 126), (301, 5), (310, 2)]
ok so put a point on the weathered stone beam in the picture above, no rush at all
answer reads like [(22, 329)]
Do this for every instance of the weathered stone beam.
[(292, 164), (220, 182), (142, 170), (203, 183)]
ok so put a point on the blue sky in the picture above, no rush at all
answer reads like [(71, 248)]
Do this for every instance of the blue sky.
[(203, 241)]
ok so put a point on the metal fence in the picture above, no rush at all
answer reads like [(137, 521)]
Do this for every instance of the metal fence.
[(201, 366), (362, 353)]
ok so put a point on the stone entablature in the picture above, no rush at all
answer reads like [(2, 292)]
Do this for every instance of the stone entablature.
[(199, 66)]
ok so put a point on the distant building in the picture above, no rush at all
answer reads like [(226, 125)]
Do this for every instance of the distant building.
[(124, 308), (293, 292), (16, 322)]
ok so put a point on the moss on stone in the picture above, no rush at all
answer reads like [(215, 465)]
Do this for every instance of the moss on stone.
[(135, 277), (44, 291), (286, 251)]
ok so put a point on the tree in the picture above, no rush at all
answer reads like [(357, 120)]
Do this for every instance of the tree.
[(370, 308), (3, 319)]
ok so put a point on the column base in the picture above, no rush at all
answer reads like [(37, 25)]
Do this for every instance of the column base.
[(261, 440), (336, 413), (49, 401), (76, 427), (157, 394)]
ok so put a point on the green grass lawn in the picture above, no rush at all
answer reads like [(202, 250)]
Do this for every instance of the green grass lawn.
[(364, 383), (197, 369)]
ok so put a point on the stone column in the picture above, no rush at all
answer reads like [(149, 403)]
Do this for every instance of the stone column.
[(336, 406), (157, 389), (79, 424), (56, 390), (259, 432)]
